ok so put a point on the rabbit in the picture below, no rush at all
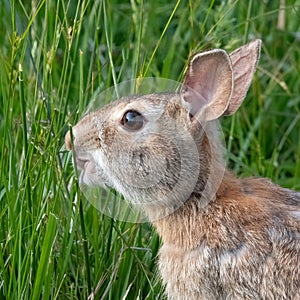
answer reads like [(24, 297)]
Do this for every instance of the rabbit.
[(222, 237)]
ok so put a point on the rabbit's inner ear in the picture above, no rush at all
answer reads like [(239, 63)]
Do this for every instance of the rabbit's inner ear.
[(208, 84)]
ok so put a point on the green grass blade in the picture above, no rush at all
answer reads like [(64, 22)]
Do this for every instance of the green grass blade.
[(47, 246)]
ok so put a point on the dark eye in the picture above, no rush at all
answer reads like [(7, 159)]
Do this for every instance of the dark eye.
[(132, 120)]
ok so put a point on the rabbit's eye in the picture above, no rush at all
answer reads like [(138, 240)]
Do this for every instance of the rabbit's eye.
[(132, 120)]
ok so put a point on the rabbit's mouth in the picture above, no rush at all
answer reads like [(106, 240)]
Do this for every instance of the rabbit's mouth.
[(82, 164), (82, 160), (90, 173), (86, 166)]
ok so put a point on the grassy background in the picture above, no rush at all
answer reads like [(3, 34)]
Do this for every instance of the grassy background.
[(55, 56)]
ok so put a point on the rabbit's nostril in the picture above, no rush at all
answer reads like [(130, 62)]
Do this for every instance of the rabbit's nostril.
[(68, 142)]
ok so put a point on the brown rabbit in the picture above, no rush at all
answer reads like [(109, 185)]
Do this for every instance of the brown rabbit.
[(223, 237)]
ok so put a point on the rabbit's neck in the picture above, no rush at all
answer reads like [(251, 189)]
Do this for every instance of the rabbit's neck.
[(187, 227)]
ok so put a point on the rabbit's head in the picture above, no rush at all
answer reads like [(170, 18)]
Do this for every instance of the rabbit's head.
[(158, 149)]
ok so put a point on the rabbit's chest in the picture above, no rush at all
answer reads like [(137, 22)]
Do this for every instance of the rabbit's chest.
[(188, 275), (204, 273)]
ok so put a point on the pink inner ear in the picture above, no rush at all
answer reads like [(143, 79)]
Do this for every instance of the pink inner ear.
[(208, 83), (200, 85)]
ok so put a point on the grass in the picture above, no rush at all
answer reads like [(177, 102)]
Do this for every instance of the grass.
[(55, 56)]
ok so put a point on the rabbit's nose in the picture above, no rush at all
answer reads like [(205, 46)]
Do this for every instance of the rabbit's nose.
[(68, 141)]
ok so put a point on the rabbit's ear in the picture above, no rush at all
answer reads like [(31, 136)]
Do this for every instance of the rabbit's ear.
[(244, 61), (208, 84)]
